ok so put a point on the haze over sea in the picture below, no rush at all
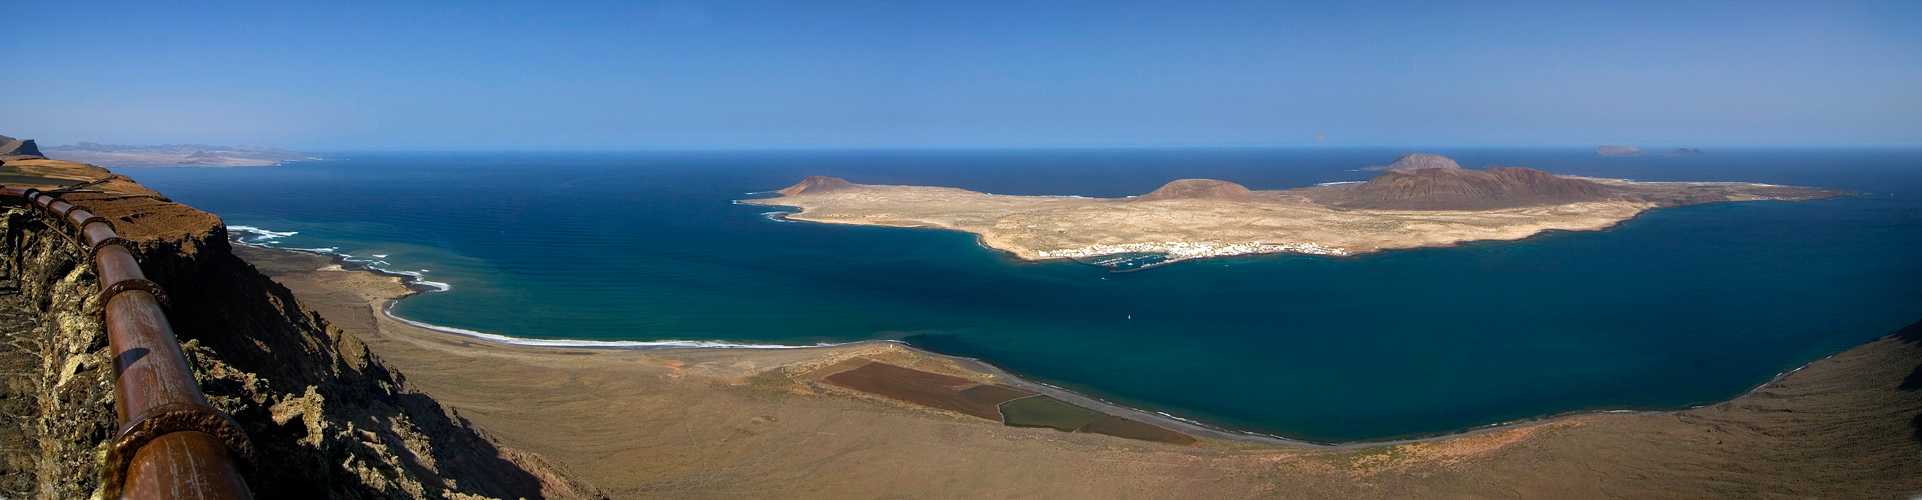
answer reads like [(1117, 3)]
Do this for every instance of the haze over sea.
[(1679, 307)]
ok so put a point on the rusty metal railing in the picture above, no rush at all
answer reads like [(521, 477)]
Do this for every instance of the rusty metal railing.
[(171, 444)]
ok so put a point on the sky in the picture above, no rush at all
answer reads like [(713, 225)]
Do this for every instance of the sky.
[(976, 74)]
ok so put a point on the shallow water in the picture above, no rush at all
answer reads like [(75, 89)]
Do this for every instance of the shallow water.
[(1676, 308)]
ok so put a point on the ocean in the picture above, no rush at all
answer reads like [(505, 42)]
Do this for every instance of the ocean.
[(1676, 308)]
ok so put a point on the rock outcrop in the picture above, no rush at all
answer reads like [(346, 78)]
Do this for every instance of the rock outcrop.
[(1417, 161), (1464, 189), (1199, 189), (18, 147)]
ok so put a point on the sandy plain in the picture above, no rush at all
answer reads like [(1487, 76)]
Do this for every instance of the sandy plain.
[(734, 423)]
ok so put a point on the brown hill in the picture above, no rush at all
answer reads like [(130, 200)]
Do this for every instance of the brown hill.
[(1200, 189), (817, 184), (1463, 189), (1414, 161)]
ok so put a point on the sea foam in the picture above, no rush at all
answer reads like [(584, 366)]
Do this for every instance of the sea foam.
[(266, 238)]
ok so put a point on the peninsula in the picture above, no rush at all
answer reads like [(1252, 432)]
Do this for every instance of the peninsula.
[(1431, 202)]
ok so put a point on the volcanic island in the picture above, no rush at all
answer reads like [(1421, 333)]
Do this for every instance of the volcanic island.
[(1421, 200)]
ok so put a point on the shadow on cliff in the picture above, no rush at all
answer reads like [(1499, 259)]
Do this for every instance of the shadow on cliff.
[(1912, 335), (324, 414)]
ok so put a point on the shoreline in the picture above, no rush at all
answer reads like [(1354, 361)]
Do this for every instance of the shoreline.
[(412, 282)]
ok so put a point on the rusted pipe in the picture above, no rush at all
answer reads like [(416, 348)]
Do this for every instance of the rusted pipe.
[(146, 377), (170, 444), (98, 233), (80, 217), (175, 466), (58, 208)]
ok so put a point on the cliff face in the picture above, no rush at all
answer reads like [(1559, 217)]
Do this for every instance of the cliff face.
[(327, 419), (59, 385), (22, 147)]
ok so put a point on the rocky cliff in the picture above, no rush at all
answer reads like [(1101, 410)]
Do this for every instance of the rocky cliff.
[(21, 147), (327, 418)]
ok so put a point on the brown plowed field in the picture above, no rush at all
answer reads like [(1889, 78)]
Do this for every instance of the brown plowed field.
[(1121, 427), (930, 389)]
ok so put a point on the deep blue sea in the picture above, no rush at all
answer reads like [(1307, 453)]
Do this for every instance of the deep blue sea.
[(1676, 308)]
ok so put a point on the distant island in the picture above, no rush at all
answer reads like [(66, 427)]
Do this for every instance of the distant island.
[(1431, 203), (173, 155), (1631, 151)]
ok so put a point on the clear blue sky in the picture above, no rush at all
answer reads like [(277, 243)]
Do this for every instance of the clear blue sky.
[(643, 75)]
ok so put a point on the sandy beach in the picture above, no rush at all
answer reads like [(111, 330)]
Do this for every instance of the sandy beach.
[(722, 422)]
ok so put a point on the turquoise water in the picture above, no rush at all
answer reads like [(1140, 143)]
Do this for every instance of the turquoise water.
[(1676, 308)]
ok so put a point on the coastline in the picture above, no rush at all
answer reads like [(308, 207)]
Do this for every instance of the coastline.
[(703, 422), (414, 283)]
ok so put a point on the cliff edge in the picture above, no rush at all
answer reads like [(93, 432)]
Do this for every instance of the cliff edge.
[(326, 417)]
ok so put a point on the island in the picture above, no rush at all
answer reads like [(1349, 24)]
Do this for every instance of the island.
[(1633, 151), (173, 155), (1437, 204)]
